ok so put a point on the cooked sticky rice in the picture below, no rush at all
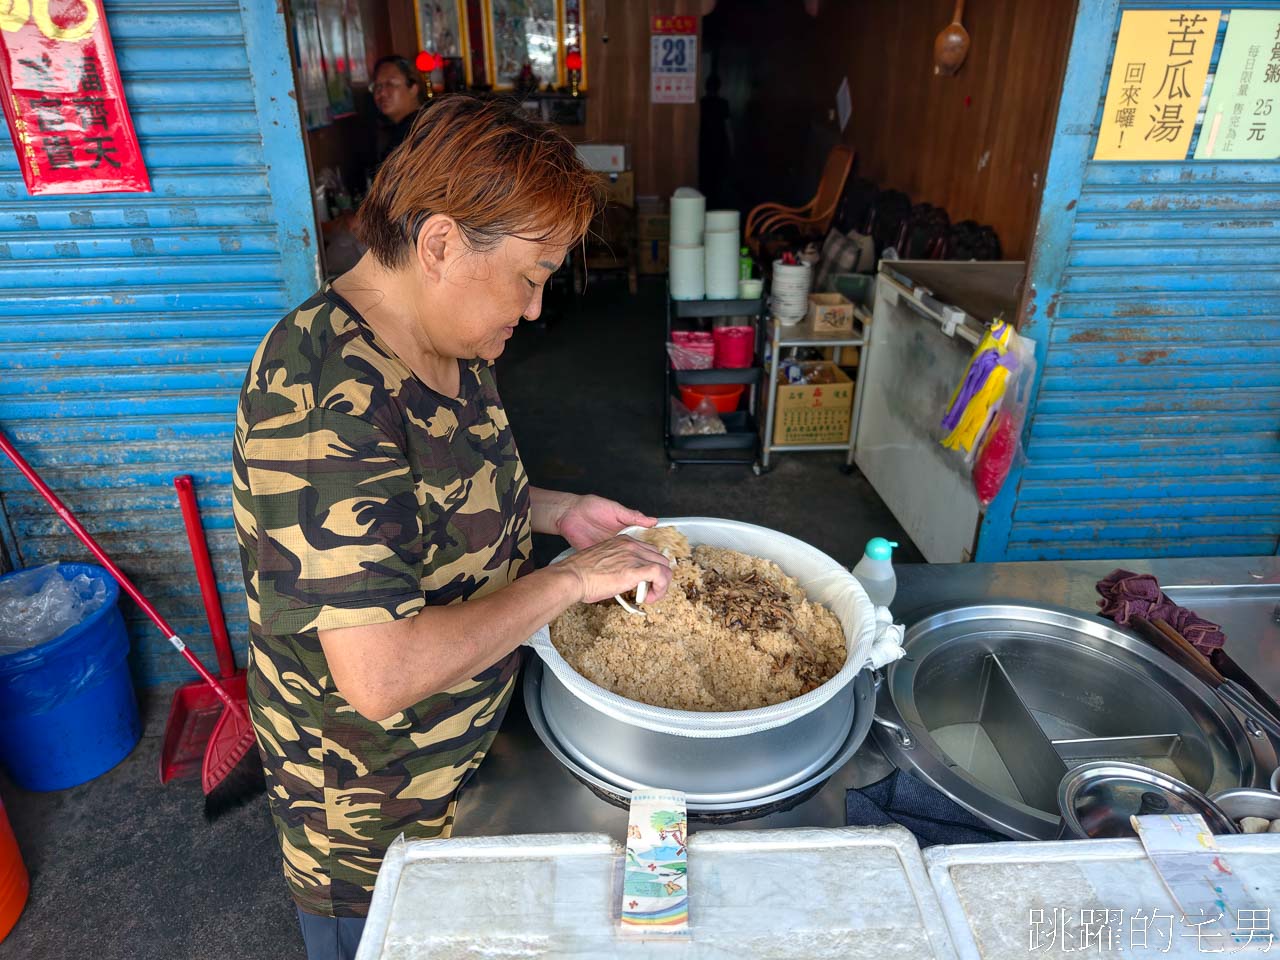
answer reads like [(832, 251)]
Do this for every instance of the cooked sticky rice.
[(733, 632)]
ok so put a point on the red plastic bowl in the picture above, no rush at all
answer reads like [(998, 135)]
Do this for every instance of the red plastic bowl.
[(725, 396)]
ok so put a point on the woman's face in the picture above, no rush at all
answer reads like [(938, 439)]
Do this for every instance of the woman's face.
[(480, 298), (392, 95)]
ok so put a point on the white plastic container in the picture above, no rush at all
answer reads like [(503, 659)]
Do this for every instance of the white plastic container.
[(721, 259), (688, 272), (875, 571), (688, 217)]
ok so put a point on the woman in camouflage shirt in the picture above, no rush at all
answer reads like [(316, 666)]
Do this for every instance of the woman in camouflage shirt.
[(383, 514)]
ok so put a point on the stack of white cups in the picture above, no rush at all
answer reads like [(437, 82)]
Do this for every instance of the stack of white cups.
[(686, 256), (721, 245), (790, 291)]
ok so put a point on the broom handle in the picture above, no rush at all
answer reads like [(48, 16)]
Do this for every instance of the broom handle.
[(204, 574), (125, 583)]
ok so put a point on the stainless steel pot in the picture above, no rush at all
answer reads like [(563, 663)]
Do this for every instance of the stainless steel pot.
[(718, 758), (714, 771), (748, 802)]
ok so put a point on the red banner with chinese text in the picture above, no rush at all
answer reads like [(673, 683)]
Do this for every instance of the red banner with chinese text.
[(673, 24), (64, 100)]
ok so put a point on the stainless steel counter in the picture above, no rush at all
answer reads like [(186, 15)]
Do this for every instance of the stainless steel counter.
[(522, 788)]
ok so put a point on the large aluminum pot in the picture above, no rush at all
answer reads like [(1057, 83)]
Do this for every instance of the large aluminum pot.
[(717, 757)]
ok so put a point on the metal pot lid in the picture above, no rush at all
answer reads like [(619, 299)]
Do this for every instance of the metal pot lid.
[(999, 741), (1098, 798), (1248, 802)]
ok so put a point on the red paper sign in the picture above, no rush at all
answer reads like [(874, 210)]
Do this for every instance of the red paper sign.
[(64, 100), (681, 24)]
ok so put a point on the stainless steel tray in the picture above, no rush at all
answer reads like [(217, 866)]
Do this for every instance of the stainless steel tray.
[(617, 787), (1001, 700)]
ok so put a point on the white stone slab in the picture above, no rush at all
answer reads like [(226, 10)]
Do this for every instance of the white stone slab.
[(988, 893), (849, 892)]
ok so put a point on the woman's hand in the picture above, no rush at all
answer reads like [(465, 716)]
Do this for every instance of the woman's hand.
[(615, 566), (586, 521)]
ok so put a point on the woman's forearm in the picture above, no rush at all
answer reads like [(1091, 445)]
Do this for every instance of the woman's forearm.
[(384, 668), (547, 507)]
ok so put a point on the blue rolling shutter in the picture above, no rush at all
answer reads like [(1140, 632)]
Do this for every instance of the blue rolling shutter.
[(1155, 304), (127, 320)]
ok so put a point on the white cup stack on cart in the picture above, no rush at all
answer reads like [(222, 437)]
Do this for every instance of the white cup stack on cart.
[(789, 291), (723, 221), (687, 268), (686, 254), (721, 263), (688, 217)]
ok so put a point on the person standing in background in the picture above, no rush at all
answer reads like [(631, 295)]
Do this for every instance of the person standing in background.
[(715, 148), (399, 92)]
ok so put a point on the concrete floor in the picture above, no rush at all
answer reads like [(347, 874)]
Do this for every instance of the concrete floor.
[(124, 868)]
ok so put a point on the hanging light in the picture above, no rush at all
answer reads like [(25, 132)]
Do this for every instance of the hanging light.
[(426, 62), (573, 63)]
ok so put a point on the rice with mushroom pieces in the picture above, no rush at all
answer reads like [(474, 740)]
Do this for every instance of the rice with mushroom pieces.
[(733, 633)]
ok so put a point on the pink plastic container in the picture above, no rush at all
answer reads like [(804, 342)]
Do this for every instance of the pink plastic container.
[(734, 347)]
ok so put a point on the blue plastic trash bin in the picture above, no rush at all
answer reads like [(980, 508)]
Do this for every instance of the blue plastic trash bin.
[(67, 707)]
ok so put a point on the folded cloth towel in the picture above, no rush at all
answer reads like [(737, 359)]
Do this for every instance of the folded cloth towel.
[(931, 816), (1126, 594)]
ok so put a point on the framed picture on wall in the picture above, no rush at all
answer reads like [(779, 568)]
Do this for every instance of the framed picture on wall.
[(357, 45), (572, 38), (493, 39), (519, 32), (337, 63), (440, 33), (310, 53), (439, 27)]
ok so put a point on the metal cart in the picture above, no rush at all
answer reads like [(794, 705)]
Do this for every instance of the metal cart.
[(803, 335), (741, 442)]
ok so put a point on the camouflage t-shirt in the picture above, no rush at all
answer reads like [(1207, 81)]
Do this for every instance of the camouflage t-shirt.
[(361, 496)]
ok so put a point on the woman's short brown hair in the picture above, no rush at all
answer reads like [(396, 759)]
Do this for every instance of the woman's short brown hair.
[(496, 171)]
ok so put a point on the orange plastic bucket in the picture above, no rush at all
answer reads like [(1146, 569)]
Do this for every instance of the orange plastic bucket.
[(723, 395), (14, 884)]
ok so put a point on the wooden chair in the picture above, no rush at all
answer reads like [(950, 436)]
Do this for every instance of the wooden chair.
[(611, 242), (816, 215)]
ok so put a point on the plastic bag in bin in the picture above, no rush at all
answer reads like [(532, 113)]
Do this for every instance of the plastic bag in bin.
[(703, 421), (689, 358)]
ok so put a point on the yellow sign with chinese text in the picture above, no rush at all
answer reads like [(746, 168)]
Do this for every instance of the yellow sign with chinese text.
[(1157, 81)]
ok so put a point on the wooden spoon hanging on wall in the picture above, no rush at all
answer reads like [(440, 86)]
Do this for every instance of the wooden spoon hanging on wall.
[(952, 45)]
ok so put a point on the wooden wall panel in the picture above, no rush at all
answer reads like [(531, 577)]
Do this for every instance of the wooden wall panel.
[(663, 137), (975, 144), (401, 29)]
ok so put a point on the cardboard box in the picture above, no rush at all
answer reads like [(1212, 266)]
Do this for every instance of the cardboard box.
[(653, 224), (653, 255), (604, 157), (830, 313), (814, 413), (620, 188)]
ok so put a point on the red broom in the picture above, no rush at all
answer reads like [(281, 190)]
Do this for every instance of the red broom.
[(232, 770)]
